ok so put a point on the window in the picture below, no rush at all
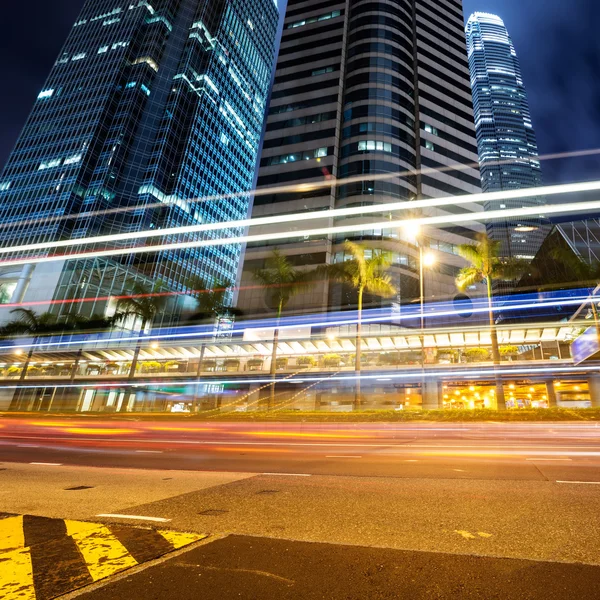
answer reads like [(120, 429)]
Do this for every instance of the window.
[(283, 159), (45, 94), (372, 145), (431, 129), (429, 146), (323, 17)]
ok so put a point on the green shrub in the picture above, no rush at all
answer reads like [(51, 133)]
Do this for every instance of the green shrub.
[(306, 361), (477, 354)]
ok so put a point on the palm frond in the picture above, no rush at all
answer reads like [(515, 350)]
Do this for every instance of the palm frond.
[(469, 276), (381, 285), (472, 254)]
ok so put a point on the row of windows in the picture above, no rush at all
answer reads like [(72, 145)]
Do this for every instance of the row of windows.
[(377, 127), (328, 15), (309, 103), (381, 111), (321, 30), (303, 89), (284, 159), (299, 138), (308, 73), (381, 7), (308, 120), (379, 62), (336, 39)]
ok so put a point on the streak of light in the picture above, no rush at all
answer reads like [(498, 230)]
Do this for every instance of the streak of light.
[(291, 434), (183, 429), (328, 214), (98, 431), (532, 211), (315, 324), (481, 373), (296, 188), (240, 450)]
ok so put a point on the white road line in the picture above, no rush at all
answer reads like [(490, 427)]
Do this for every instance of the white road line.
[(136, 517), (47, 464), (289, 474), (342, 456), (149, 451), (581, 482), (552, 459)]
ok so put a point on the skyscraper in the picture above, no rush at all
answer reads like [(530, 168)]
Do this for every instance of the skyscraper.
[(152, 107), (508, 152), (377, 94)]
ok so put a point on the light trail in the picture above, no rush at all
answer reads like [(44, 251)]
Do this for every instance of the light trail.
[(316, 324), (488, 197), (298, 187), (449, 374), (534, 211)]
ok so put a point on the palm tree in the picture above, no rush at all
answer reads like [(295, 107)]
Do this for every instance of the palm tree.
[(284, 281), (144, 304), (30, 323), (211, 297), (363, 274), (486, 265)]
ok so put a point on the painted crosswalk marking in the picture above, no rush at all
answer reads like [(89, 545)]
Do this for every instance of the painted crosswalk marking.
[(44, 558)]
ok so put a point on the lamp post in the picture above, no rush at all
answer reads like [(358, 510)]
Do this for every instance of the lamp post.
[(426, 259)]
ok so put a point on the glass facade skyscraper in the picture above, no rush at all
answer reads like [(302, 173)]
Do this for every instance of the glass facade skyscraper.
[(508, 152), (151, 108)]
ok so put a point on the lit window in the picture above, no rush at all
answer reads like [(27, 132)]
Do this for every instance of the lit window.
[(431, 129), (5, 185), (73, 159), (429, 146), (45, 94), (79, 56), (103, 49), (50, 164)]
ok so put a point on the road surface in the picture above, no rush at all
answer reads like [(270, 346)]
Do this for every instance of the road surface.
[(406, 510)]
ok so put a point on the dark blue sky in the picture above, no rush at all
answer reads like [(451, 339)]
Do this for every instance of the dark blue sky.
[(556, 40)]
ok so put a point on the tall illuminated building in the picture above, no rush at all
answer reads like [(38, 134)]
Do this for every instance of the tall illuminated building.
[(151, 107), (375, 98), (508, 152)]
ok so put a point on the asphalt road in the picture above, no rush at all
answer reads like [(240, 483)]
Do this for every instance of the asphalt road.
[(429, 510), (261, 569), (556, 451)]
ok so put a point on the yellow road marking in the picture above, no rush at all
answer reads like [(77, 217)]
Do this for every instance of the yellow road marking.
[(16, 575), (179, 540), (11, 534), (103, 553), (466, 534)]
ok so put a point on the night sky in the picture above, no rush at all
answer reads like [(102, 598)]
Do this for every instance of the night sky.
[(556, 40)]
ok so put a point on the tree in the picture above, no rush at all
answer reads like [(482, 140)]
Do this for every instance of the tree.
[(211, 297), (144, 304), (363, 274), (284, 281), (486, 265)]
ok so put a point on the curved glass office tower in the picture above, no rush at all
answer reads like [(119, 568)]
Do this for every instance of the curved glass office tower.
[(508, 152), (151, 107), (374, 97)]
